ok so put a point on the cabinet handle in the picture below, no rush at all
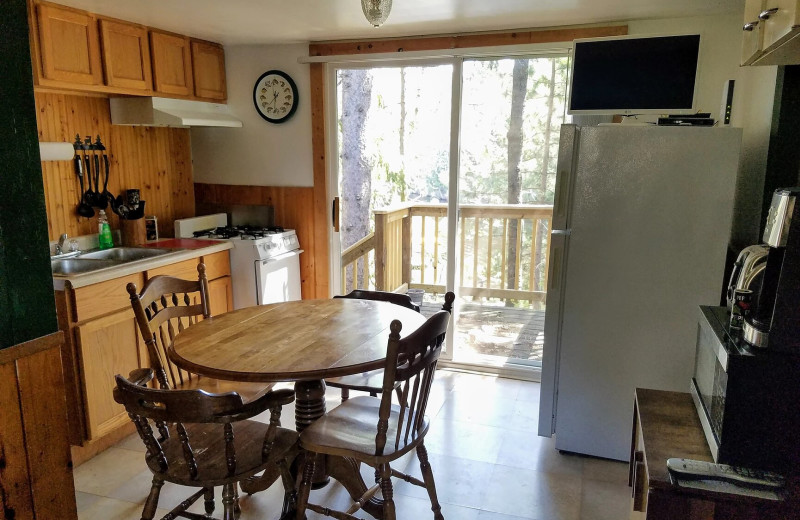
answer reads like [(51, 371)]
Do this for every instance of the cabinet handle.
[(766, 14), (750, 26)]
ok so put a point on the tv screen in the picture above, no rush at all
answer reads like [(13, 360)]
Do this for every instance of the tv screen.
[(634, 75)]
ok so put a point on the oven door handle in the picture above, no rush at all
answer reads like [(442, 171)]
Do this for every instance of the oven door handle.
[(282, 256)]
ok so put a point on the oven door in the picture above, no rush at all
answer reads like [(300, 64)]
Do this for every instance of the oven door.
[(278, 278)]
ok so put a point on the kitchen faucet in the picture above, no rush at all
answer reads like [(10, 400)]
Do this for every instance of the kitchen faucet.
[(59, 247)]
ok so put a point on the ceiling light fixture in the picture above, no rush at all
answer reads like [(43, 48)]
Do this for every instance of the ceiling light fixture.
[(376, 11)]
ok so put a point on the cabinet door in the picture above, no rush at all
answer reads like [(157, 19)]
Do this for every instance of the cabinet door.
[(780, 18), (126, 55), (172, 63), (107, 346), (208, 66), (70, 45), (752, 33), (220, 296)]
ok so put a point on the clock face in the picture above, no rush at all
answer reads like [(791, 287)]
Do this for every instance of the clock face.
[(275, 96)]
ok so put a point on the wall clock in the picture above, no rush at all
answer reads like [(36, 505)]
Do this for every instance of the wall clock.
[(275, 96)]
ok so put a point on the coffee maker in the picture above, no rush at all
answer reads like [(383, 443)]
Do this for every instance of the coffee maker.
[(774, 321)]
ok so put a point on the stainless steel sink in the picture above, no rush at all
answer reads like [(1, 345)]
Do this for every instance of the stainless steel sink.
[(69, 266), (124, 254), (104, 259)]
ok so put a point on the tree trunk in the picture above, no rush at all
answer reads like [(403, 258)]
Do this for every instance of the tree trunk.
[(519, 89), (542, 233), (356, 182)]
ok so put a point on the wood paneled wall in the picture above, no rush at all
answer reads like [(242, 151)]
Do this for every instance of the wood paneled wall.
[(158, 161), (293, 210)]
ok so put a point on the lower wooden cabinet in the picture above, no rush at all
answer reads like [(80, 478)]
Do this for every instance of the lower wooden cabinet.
[(220, 295), (107, 346)]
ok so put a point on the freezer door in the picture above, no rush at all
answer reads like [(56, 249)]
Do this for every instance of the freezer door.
[(567, 156), (559, 243)]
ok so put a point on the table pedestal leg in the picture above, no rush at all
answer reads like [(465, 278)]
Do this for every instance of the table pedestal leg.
[(309, 405)]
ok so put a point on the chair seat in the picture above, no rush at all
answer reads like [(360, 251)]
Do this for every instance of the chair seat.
[(371, 382), (212, 468), (248, 391), (349, 431)]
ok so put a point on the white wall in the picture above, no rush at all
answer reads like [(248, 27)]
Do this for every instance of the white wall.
[(259, 153)]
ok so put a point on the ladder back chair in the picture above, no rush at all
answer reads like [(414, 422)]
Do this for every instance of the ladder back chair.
[(376, 431), (165, 307), (368, 381), (214, 442)]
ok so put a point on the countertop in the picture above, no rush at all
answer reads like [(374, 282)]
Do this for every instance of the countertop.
[(188, 249)]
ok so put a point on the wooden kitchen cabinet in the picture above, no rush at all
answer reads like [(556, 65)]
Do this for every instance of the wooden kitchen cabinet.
[(107, 346), (172, 63), (68, 45), (126, 55), (208, 67), (220, 296), (771, 29)]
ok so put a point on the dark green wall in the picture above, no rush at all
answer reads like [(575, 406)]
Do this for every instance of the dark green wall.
[(27, 307)]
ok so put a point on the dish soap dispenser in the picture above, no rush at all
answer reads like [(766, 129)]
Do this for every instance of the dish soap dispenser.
[(104, 237)]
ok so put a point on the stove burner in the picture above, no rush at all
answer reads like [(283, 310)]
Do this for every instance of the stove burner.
[(243, 232)]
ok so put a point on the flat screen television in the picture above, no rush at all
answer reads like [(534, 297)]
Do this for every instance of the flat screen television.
[(634, 75)]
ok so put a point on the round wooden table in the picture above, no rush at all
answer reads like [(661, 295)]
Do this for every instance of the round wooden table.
[(303, 341)]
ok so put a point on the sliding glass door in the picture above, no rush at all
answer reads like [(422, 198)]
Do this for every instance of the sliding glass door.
[(443, 172)]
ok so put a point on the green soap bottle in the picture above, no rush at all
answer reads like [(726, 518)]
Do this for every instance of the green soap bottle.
[(104, 237)]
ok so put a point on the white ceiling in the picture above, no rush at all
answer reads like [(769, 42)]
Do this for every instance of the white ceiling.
[(292, 21)]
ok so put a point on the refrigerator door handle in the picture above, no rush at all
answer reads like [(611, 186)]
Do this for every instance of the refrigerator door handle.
[(554, 276)]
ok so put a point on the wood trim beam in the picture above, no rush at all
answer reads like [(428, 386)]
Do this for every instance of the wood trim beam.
[(461, 41), (321, 214)]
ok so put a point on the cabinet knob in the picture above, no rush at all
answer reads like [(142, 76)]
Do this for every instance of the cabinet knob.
[(750, 26), (766, 14)]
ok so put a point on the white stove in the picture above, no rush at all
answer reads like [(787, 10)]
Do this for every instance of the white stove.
[(265, 261)]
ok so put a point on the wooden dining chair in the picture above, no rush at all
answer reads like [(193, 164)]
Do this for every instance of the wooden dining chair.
[(368, 381), (166, 306), (350, 430), (214, 442)]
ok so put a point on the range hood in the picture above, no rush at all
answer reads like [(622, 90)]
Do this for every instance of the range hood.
[(181, 113)]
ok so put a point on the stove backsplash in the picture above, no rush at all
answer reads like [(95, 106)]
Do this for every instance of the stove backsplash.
[(241, 214)]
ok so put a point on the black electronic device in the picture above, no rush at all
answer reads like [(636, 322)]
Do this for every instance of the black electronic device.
[(685, 121), (689, 469), (634, 75)]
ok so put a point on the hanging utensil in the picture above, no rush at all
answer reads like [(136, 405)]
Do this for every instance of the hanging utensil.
[(84, 209), (98, 195), (87, 161), (102, 196)]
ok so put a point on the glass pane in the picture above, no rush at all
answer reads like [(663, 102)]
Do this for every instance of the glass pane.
[(512, 110), (394, 153)]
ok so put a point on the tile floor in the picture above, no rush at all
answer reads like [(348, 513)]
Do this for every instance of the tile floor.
[(488, 462)]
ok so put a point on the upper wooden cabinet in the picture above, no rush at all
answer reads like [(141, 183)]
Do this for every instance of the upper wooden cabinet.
[(771, 32), (69, 46), (208, 66), (77, 50), (126, 54), (172, 63)]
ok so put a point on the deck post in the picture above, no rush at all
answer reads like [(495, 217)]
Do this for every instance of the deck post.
[(380, 251), (406, 273)]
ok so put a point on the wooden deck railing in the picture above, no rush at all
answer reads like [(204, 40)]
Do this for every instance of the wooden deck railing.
[(408, 250)]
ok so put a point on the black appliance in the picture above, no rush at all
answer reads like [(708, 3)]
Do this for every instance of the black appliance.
[(747, 399), (774, 322)]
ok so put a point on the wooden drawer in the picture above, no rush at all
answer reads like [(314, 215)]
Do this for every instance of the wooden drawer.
[(217, 265), (186, 270), (105, 297)]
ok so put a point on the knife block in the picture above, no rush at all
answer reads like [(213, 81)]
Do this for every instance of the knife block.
[(133, 232)]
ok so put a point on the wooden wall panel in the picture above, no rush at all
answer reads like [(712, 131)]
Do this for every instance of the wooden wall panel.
[(293, 209), (158, 161)]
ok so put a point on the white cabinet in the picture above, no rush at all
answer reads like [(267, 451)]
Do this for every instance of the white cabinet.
[(771, 29)]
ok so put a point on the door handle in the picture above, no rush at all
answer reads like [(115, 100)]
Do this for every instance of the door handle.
[(335, 214)]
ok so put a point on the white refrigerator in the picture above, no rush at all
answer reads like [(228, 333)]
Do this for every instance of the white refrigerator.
[(641, 223)]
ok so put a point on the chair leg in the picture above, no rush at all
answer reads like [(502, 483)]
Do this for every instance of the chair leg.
[(388, 493), (305, 485), (345, 394), (208, 496), (430, 485), (228, 499), (237, 510), (151, 504)]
